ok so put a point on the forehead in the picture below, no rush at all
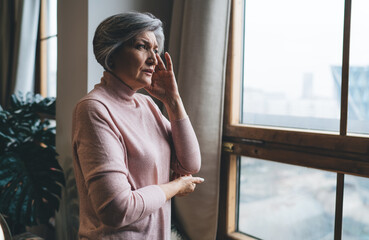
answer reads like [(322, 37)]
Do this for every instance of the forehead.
[(147, 36)]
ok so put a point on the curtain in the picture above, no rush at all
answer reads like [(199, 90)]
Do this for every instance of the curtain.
[(7, 37), (198, 45), (18, 39)]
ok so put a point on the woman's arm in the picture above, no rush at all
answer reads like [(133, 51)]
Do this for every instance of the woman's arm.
[(164, 87), (175, 108)]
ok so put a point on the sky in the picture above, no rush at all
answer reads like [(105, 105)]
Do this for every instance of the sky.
[(288, 39)]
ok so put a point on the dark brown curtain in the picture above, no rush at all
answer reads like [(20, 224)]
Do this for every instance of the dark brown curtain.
[(7, 39), (18, 39)]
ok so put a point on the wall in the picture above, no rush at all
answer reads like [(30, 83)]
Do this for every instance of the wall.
[(78, 72)]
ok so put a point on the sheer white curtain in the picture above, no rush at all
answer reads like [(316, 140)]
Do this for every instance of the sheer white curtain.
[(25, 68), (198, 45)]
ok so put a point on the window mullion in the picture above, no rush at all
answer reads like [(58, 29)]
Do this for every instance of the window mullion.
[(339, 206), (345, 68), (343, 118)]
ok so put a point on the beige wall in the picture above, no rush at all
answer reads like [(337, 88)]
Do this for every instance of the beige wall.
[(78, 72)]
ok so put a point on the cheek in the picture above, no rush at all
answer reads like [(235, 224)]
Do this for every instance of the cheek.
[(135, 63), (130, 67), (131, 62)]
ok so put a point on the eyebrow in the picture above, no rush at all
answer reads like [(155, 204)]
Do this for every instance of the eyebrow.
[(147, 42)]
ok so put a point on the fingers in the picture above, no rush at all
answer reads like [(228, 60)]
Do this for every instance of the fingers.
[(157, 67), (169, 61), (198, 180), (161, 65), (193, 179), (188, 184)]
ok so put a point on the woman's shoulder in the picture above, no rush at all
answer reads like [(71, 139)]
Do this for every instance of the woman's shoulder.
[(90, 103), (94, 99)]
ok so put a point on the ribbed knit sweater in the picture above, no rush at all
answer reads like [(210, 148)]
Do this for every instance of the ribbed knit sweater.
[(123, 149)]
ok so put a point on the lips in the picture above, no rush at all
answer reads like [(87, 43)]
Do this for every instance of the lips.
[(148, 71)]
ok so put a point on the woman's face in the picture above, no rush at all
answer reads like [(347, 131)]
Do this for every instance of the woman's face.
[(135, 62)]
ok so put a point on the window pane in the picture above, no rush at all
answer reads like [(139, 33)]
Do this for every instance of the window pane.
[(51, 66), (355, 208), (51, 16), (49, 46), (282, 201), (358, 107), (290, 51)]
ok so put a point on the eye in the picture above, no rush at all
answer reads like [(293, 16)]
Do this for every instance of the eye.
[(156, 51), (140, 46)]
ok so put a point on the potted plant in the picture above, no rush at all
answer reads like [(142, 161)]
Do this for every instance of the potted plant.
[(31, 178)]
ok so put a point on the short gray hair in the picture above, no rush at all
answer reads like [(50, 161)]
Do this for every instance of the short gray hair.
[(118, 29)]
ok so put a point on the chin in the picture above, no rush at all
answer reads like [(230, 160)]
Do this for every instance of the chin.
[(146, 83)]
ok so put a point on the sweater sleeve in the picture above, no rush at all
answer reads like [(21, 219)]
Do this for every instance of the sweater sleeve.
[(101, 156), (187, 157)]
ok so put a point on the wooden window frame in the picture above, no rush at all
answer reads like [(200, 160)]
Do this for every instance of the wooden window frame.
[(41, 85), (337, 153), (43, 49)]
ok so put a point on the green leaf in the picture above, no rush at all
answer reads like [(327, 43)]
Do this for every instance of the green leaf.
[(31, 178)]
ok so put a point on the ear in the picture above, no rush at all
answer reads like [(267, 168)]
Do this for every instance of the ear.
[(112, 58), (110, 62)]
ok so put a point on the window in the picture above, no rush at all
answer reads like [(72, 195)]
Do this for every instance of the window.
[(358, 99), (295, 162), (288, 63), (48, 48)]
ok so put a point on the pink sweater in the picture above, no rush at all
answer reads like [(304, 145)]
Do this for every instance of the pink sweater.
[(123, 148)]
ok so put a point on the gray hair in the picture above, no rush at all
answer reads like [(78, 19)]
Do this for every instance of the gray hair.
[(118, 29)]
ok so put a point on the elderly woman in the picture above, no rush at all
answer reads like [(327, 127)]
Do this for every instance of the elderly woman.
[(123, 146)]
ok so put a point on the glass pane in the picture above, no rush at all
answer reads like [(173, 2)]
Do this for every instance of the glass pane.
[(49, 45), (282, 201), (51, 66), (290, 51), (358, 107), (51, 16), (355, 208)]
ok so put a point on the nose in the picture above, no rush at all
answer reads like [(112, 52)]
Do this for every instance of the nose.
[(151, 60)]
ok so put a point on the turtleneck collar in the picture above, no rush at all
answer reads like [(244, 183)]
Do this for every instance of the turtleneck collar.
[(117, 86)]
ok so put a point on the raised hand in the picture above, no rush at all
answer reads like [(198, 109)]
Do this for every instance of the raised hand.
[(164, 87), (163, 82)]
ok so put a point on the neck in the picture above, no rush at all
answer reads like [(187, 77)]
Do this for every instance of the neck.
[(112, 73)]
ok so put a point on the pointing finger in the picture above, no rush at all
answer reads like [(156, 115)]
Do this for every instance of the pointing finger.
[(160, 65), (169, 61), (198, 180)]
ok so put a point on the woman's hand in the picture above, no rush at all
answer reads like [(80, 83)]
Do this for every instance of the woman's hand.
[(163, 82), (181, 186), (164, 87), (187, 184)]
